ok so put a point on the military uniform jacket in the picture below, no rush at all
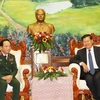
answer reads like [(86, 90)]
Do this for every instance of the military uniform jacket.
[(7, 66)]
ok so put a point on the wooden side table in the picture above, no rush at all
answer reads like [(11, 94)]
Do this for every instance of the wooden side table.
[(61, 89)]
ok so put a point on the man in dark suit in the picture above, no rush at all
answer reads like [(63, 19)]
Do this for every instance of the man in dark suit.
[(89, 59), (8, 70)]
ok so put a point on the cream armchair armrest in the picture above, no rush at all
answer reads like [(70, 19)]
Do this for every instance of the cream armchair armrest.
[(75, 69), (23, 75), (26, 69)]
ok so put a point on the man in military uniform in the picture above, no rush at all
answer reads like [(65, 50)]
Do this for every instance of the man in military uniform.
[(8, 70)]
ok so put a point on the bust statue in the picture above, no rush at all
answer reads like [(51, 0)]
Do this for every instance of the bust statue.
[(40, 25)]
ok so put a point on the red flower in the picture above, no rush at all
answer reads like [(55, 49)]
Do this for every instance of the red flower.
[(61, 69), (40, 69), (42, 41), (45, 67), (56, 67)]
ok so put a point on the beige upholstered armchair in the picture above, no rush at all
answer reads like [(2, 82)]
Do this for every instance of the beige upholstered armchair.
[(79, 86), (23, 70)]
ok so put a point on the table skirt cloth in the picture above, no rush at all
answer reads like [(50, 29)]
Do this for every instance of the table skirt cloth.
[(60, 89)]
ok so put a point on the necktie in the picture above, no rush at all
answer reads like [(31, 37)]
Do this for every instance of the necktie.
[(6, 57), (92, 71)]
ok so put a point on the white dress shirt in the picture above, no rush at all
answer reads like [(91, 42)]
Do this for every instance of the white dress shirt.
[(5, 55), (93, 58)]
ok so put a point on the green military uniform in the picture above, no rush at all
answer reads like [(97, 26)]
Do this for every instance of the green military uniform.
[(8, 67)]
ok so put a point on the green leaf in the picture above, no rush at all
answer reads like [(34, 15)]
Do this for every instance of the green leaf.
[(51, 75), (55, 76), (46, 76), (51, 78)]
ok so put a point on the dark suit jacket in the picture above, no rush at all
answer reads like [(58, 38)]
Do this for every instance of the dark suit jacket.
[(7, 67), (81, 57)]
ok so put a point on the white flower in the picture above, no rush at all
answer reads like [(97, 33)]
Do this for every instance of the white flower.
[(64, 72), (49, 70), (39, 35), (56, 70), (47, 36), (45, 71)]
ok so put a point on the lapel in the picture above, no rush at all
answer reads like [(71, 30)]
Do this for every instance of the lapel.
[(95, 53), (84, 54), (3, 57)]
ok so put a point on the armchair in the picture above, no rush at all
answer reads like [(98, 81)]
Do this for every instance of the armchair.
[(79, 86), (23, 70)]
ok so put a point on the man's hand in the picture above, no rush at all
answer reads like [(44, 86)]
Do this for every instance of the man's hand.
[(8, 78), (85, 67)]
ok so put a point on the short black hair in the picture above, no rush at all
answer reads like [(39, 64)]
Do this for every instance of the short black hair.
[(86, 35), (2, 41)]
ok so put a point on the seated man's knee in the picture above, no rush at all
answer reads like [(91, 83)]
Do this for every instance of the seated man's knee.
[(15, 83), (97, 76), (3, 83), (89, 78)]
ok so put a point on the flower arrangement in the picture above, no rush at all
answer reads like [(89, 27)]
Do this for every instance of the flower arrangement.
[(42, 41), (50, 72)]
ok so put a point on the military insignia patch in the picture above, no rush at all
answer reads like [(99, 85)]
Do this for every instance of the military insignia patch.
[(11, 59), (0, 54)]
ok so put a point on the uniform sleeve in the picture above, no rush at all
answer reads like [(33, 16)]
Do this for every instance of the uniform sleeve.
[(1, 76)]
